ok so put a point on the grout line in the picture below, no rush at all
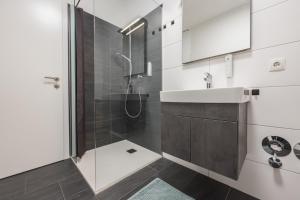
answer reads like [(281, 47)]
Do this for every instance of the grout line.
[(248, 51), (229, 191), (143, 184), (271, 46), (42, 187), (237, 53), (80, 191), (262, 163), (61, 191), (273, 127), (26, 182), (250, 87), (170, 44), (274, 5), (169, 68)]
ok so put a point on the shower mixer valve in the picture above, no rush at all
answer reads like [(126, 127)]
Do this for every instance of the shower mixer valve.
[(277, 147), (275, 162)]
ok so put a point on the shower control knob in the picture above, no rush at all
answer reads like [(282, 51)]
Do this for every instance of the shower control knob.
[(275, 162)]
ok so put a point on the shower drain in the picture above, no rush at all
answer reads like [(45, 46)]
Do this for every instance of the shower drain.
[(131, 151)]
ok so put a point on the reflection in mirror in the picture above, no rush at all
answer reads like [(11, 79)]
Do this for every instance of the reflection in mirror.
[(135, 47), (297, 150), (214, 27)]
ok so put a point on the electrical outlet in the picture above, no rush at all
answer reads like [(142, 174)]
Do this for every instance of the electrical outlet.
[(277, 64)]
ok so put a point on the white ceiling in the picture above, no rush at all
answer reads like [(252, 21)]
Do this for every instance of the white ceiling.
[(118, 12), (198, 11)]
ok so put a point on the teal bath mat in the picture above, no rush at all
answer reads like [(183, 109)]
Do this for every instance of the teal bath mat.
[(159, 190)]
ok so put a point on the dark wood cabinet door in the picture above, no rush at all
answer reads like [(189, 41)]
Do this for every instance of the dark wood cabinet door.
[(222, 147), (198, 142), (176, 136)]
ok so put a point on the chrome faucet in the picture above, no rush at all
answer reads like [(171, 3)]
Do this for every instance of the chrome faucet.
[(208, 79)]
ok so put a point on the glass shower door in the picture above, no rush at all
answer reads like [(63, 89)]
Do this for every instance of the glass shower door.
[(72, 80), (81, 102)]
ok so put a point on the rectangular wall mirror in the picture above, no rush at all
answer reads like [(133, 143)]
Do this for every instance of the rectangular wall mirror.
[(213, 27), (135, 47)]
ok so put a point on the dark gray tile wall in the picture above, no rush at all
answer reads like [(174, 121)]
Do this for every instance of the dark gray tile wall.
[(88, 49), (146, 131), (103, 77), (108, 82)]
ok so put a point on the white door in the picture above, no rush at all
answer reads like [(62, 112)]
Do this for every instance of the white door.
[(31, 110)]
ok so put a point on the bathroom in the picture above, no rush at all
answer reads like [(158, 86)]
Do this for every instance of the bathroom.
[(150, 99)]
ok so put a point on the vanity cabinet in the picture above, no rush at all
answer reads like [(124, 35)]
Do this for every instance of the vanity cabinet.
[(176, 138), (213, 136), (198, 142), (222, 147)]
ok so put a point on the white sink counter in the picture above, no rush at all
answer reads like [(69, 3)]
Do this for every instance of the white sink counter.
[(218, 95)]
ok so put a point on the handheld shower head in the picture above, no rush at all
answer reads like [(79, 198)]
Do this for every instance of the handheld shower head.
[(129, 61), (123, 56)]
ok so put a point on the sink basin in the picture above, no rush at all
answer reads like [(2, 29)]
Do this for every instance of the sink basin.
[(219, 95)]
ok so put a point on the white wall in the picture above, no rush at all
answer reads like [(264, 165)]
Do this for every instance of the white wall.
[(275, 33)]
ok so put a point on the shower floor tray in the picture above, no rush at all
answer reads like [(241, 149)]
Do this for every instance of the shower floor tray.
[(107, 165)]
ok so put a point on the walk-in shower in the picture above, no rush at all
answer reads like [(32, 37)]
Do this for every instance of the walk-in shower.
[(115, 80)]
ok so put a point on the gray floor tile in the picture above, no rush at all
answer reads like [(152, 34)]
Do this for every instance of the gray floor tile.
[(12, 186), (51, 192), (84, 195), (193, 184), (6, 198), (216, 191), (128, 185), (161, 164), (73, 185), (50, 174), (237, 195), (127, 196), (178, 176), (62, 181)]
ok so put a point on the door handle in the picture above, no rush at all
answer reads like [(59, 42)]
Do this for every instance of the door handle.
[(56, 79)]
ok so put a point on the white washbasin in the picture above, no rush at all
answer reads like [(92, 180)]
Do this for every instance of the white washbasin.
[(218, 95)]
